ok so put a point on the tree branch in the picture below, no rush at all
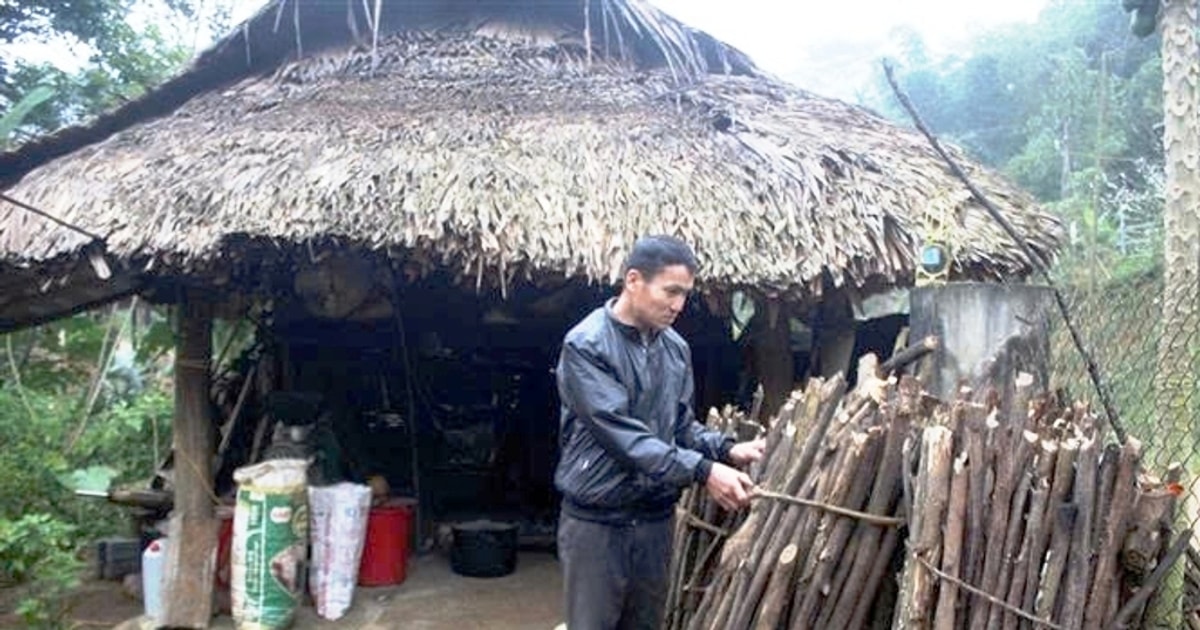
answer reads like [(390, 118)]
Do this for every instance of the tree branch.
[(1034, 260)]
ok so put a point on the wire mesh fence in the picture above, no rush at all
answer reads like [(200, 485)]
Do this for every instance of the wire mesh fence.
[(1143, 331)]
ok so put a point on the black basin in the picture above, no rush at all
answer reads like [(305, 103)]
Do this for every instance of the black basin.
[(484, 549)]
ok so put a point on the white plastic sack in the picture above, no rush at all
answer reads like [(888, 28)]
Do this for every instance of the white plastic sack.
[(339, 529)]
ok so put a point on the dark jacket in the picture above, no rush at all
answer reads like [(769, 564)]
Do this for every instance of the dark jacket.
[(629, 439)]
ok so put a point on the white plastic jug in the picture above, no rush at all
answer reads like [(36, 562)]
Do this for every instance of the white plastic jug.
[(153, 564)]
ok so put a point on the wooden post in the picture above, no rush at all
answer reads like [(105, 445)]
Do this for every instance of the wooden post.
[(771, 345), (192, 535), (835, 333), (989, 334), (836, 349)]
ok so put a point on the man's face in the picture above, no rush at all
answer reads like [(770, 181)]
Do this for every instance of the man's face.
[(659, 300)]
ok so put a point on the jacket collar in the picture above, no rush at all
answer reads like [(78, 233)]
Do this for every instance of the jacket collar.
[(630, 332)]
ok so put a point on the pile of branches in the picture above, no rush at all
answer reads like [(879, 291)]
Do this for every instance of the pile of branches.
[(885, 507)]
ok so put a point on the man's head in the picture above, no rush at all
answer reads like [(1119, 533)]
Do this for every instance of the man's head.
[(660, 272)]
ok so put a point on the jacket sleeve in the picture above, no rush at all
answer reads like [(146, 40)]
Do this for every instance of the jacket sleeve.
[(712, 444), (588, 386)]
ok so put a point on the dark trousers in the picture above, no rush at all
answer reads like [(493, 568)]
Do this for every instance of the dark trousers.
[(615, 577)]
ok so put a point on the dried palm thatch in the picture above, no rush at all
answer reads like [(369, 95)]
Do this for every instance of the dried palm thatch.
[(507, 139)]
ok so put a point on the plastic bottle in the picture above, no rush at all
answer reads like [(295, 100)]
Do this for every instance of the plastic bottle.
[(153, 563)]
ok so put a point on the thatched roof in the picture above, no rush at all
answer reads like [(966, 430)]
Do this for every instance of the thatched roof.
[(488, 136)]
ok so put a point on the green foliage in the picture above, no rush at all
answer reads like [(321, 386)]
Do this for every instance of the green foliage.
[(55, 444), (123, 58), (15, 116), (1070, 107), (37, 551)]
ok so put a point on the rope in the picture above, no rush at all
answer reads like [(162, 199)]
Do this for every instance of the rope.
[(205, 483), (50, 217), (192, 364)]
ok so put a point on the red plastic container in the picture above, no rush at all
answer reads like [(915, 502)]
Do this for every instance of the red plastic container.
[(221, 576), (385, 551), (224, 545)]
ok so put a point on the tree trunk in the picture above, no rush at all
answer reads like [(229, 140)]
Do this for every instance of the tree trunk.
[(1175, 382)]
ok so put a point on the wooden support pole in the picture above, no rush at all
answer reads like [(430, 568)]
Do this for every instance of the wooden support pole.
[(771, 344), (192, 535), (836, 349)]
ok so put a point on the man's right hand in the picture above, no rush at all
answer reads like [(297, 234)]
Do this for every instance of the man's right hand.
[(729, 486)]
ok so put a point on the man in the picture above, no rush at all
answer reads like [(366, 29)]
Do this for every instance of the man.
[(631, 443)]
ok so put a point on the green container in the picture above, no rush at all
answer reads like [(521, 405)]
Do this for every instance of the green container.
[(270, 543)]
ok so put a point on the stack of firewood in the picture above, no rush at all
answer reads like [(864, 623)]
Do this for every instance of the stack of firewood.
[(818, 540), (883, 507), (1022, 518)]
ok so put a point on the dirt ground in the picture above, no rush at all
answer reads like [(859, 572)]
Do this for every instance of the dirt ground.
[(95, 604), (432, 598)]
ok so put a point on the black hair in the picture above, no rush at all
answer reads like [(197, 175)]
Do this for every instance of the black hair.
[(652, 253)]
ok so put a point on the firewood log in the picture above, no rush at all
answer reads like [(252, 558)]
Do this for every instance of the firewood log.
[(1116, 520), (1038, 529), (931, 496), (883, 497), (818, 573), (1079, 572), (952, 546), (777, 590), (1015, 523)]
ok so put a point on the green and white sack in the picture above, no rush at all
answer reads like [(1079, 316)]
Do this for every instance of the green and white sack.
[(270, 542)]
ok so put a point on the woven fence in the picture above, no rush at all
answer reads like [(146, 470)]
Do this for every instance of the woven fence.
[(1146, 343)]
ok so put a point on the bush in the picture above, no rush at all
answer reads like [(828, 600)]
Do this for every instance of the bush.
[(37, 553)]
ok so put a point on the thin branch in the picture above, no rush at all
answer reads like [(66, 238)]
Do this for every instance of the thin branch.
[(909, 355), (1034, 260), (872, 519), (587, 29), (375, 36), (16, 374), (296, 26), (996, 601), (107, 351), (49, 217), (693, 521)]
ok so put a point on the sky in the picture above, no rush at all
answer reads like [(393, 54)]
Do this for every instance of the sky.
[(826, 46), (830, 46)]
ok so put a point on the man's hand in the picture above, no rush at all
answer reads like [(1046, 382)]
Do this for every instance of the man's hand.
[(730, 487), (744, 453)]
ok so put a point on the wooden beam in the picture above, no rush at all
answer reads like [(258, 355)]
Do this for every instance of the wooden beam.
[(192, 536), (27, 311)]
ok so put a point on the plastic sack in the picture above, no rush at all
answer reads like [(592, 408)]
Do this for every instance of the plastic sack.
[(270, 540), (339, 528)]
